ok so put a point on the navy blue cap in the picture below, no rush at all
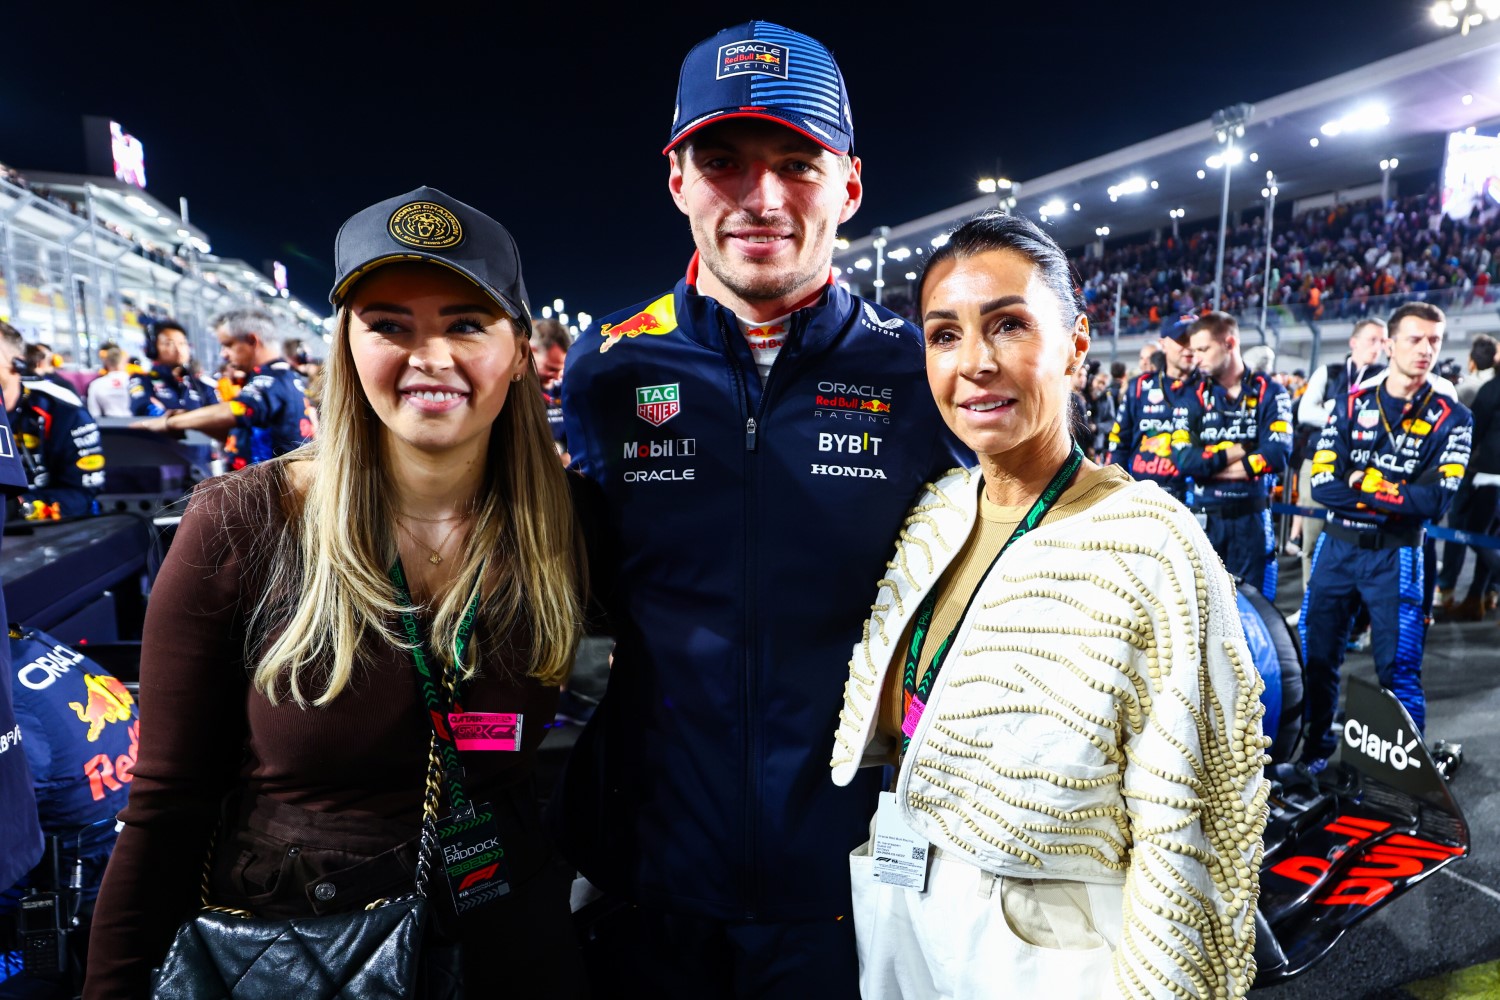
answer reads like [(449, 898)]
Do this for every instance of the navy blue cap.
[(762, 70), (1177, 327), (427, 224)]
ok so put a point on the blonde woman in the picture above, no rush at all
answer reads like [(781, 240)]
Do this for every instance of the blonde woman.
[(285, 718)]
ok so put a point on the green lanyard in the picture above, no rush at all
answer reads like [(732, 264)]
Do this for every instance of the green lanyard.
[(434, 689), (914, 694)]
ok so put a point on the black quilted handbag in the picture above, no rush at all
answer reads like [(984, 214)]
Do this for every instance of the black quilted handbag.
[(383, 952)]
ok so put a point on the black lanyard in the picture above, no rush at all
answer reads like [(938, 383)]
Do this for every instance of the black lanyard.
[(914, 693), (434, 689), (1407, 407)]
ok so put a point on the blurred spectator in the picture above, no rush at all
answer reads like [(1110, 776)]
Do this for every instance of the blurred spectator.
[(1118, 376), (40, 371), (172, 384), (58, 442), (550, 341), (1102, 408), (271, 415), (109, 394), (1479, 369), (1260, 359)]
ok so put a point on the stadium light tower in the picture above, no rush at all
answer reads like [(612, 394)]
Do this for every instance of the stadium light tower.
[(1464, 14), (1229, 125), (1004, 189), (882, 237), (1386, 166), (1269, 193)]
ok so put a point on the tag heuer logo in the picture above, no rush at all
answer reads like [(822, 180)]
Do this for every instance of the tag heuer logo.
[(656, 404)]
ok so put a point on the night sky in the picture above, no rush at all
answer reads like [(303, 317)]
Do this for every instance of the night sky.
[(278, 121)]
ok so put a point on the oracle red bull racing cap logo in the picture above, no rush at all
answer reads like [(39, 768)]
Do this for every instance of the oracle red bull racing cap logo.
[(656, 404), (751, 56)]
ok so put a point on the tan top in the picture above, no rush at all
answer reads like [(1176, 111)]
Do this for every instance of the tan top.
[(962, 579)]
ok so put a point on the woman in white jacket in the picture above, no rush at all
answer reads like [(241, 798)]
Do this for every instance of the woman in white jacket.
[(1056, 663)]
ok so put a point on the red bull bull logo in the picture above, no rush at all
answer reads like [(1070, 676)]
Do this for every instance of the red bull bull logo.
[(1159, 445), (108, 701), (875, 406), (660, 317)]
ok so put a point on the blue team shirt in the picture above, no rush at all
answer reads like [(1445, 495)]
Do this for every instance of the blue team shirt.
[(60, 450), (1419, 448), (1207, 422), (272, 416), (1141, 439), (20, 833), (167, 387)]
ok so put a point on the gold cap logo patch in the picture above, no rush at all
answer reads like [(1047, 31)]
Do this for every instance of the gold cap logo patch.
[(426, 225)]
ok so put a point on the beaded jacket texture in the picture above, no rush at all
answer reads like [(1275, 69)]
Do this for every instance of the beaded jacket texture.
[(1098, 719)]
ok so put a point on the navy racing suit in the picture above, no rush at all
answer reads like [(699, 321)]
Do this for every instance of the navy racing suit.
[(166, 388), (752, 520), (1410, 456), (272, 416), (60, 449), (1141, 438), (1205, 426)]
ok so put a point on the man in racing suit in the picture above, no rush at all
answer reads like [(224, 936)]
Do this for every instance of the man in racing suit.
[(1232, 435), (1391, 456), (1141, 438), (759, 433), (271, 415), (58, 443), (170, 385), (1325, 386)]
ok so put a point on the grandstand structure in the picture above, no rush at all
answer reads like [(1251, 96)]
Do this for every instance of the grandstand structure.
[(1351, 169), (86, 259)]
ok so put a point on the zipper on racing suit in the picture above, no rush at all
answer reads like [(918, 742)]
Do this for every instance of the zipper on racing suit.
[(754, 421)]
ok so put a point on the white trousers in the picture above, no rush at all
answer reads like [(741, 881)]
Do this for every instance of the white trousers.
[(972, 935)]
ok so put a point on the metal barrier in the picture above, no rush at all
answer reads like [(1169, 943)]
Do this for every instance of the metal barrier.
[(1435, 530)]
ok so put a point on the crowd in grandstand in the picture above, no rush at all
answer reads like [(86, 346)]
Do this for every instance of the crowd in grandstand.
[(1335, 262), (168, 257), (1327, 263)]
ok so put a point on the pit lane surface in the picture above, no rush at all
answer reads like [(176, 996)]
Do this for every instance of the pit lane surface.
[(1441, 940)]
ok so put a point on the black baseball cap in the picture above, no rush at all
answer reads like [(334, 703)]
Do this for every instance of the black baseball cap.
[(427, 224), (762, 70)]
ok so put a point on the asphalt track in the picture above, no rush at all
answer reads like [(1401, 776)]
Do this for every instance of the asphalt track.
[(1440, 940)]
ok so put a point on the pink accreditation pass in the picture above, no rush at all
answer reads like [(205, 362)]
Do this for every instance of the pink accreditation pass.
[(485, 730), (913, 716)]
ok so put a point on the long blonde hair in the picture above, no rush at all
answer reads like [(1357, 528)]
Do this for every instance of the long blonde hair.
[(327, 579)]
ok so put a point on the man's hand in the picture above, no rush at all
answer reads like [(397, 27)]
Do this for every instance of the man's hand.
[(1234, 471), (157, 424)]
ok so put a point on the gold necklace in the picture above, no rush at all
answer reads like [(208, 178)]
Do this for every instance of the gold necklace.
[(437, 555)]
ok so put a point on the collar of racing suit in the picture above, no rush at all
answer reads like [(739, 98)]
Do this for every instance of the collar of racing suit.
[(824, 317)]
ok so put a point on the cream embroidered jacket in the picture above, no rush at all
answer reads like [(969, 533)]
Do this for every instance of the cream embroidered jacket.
[(1097, 719)]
